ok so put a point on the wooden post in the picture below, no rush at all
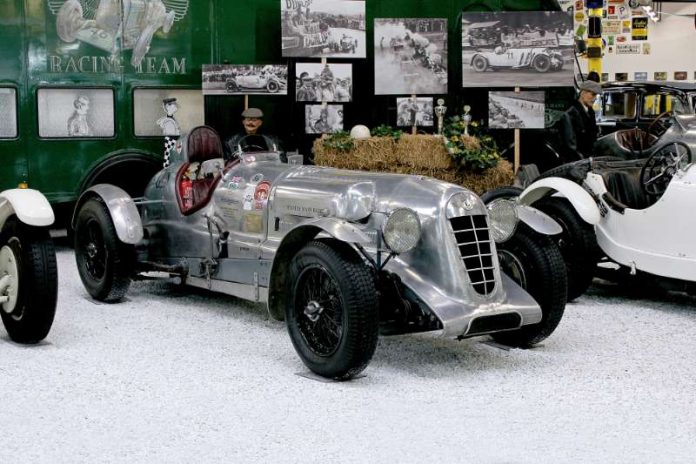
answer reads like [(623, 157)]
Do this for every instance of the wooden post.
[(246, 101), (414, 128), (516, 163)]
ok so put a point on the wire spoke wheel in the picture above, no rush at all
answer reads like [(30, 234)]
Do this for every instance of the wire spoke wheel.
[(321, 321)]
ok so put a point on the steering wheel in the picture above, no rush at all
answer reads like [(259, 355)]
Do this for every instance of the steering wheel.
[(662, 165), (242, 147), (661, 125)]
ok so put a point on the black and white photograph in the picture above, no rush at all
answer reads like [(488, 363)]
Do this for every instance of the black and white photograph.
[(414, 111), (323, 28), (330, 82), (245, 79), (167, 112), (8, 113), (510, 49), (516, 110), (86, 112), (323, 119), (410, 56)]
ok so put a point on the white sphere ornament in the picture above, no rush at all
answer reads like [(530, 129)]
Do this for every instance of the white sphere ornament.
[(360, 132)]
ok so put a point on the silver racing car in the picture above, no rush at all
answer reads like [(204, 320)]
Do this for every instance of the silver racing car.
[(340, 255)]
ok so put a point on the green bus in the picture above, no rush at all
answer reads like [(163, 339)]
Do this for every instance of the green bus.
[(84, 83)]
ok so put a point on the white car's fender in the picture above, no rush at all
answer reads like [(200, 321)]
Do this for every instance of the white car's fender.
[(582, 201), (124, 213), (30, 206)]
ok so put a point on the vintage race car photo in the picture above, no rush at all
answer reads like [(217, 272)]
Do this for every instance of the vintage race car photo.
[(340, 255), (635, 213), (28, 271), (540, 59), (267, 81)]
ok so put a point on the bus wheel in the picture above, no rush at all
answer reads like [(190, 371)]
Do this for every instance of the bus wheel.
[(69, 20)]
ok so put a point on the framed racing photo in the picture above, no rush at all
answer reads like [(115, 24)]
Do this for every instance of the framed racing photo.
[(517, 49), (323, 119), (516, 110), (414, 111), (245, 79), (410, 56), (330, 82), (323, 28)]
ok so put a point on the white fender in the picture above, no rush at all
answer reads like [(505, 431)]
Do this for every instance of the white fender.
[(582, 201), (30, 206)]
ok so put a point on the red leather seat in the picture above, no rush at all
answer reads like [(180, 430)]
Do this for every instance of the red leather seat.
[(202, 143)]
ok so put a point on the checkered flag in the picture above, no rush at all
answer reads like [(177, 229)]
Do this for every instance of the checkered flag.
[(169, 146)]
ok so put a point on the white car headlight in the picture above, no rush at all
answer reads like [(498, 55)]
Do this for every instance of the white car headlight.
[(402, 230), (502, 215)]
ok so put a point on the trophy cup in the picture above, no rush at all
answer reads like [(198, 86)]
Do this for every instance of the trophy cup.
[(440, 111), (467, 119)]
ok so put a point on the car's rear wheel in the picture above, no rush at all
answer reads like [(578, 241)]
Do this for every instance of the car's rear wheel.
[(535, 263), (332, 310), (577, 242), (479, 63), (28, 281), (541, 63), (105, 264)]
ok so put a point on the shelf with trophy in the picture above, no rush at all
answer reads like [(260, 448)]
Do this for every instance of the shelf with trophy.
[(459, 152)]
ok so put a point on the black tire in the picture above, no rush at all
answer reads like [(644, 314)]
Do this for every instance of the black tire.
[(272, 86), (577, 242), (479, 63), (28, 253), (541, 63), (330, 279), (500, 192), (105, 264), (536, 264)]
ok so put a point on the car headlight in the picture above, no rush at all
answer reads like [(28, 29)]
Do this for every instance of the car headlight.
[(502, 215), (402, 230)]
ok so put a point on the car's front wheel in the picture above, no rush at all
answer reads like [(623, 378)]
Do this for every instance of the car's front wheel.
[(541, 63), (332, 310), (28, 281), (534, 262), (105, 264), (272, 86), (480, 63)]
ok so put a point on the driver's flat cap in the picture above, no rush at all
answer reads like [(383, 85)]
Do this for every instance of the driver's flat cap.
[(252, 113), (591, 86)]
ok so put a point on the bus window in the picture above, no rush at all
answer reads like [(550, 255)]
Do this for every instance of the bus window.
[(8, 113), (160, 112), (76, 112)]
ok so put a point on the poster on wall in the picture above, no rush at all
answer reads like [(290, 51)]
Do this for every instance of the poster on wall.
[(245, 79), (410, 56), (166, 112), (323, 28), (330, 82), (508, 49), (516, 110), (414, 111), (639, 28), (323, 119)]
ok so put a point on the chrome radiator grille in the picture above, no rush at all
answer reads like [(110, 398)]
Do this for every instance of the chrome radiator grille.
[(474, 243)]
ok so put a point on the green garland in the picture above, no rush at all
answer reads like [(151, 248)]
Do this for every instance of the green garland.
[(465, 156)]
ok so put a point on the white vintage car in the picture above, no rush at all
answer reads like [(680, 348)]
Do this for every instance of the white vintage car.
[(636, 212), (540, 59), (28, 275)]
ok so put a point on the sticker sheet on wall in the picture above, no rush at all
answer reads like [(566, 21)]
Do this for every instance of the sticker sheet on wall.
[(323, 28), (245, 79), (508, 49), (410, 56), (640, 76)]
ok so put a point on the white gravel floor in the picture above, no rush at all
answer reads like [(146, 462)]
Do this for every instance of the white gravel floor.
[(173, 376)]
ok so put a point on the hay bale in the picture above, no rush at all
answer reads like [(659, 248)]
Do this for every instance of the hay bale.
[(423, 151), (421, 155)]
